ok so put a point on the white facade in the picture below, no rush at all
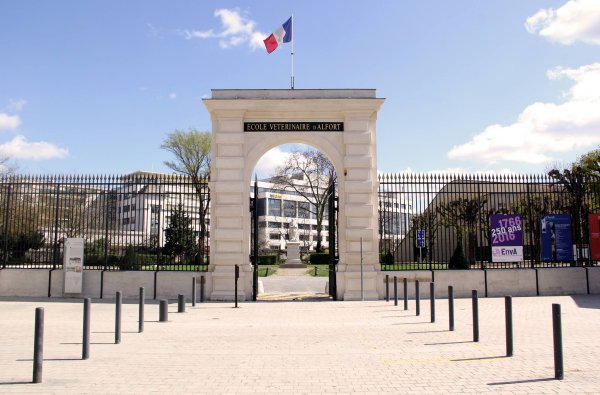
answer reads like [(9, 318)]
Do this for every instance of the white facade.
[(145, 203), (277, 208), (352, 152)]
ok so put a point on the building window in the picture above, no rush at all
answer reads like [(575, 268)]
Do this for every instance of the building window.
[(274, 225), (303, 210), (125, 221), (275, 207), (274, 236), (289, 208)]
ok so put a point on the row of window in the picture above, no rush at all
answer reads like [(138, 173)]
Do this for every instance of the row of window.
[(277, 236), (286, 225)]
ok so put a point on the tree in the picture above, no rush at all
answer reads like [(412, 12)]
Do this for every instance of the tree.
[(191, 150), (576, 181), (310, 174), (429, 222), (463, 214), (532, 208), (179, 236)]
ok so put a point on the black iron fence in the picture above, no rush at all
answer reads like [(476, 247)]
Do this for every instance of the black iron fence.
[(145, 221), (443, 221), (140, 221)]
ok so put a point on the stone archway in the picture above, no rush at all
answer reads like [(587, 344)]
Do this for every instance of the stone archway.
[(338, 122)]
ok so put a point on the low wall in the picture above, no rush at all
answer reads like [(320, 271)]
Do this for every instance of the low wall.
[(594, 279), (491, 282), (562, 281), (98, 284), (514, 282), (497, 282)]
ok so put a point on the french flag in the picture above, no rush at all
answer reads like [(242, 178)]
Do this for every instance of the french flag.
[(283, 34)]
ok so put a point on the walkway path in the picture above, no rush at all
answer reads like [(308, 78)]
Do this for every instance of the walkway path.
[(303, 348), (293, 284)]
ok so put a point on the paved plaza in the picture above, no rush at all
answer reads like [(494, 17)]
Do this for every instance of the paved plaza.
[(302, 348)]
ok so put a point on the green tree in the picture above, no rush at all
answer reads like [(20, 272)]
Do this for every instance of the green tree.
[(310, 174), (180, 239), (191, 151), (580, 181)]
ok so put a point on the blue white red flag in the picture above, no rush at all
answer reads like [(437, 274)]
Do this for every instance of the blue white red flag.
[(283, 34)]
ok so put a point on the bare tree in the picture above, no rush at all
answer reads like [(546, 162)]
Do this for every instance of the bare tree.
[(462, 214), (191, 150), (310, 174)]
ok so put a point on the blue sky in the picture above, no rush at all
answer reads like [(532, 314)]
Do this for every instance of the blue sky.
[(470, 85)]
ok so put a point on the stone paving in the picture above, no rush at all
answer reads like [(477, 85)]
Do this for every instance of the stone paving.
[(302, 348)]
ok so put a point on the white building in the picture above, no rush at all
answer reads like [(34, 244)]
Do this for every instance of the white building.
[(277, 208)]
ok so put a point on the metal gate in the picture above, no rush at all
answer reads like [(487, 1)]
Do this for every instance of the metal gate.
[(254, 239), (333, 250)]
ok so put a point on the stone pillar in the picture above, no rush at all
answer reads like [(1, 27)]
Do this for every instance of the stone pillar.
[(358, 209), (229, 194)]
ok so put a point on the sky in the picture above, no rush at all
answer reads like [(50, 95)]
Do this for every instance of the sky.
[(494, 86)]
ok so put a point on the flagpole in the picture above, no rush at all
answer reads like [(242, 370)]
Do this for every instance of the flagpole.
[(293, 35)]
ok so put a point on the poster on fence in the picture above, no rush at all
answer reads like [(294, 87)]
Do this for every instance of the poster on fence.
[(507, 237), (594, 224), (557, 244)]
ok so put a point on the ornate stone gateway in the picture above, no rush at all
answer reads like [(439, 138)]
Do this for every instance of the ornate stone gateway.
[(338, 122)]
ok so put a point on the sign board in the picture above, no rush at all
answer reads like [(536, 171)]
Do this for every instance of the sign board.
[(506, 237), (73, 266), (557, 245), (420, 238), (293, 126), (594, 224)]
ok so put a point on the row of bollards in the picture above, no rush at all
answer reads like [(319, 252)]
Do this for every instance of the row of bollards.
[(38, 340), (556, 318)]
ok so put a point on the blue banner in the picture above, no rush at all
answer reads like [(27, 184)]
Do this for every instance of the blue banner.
[(557, 244)]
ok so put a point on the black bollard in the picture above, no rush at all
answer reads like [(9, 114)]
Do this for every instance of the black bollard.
[(395, 291), (163, 311), (235, 295), (38, 345), (141, 310), (118, 304), (180, 303), (450, 308), (85, 349), (417, 298), (509, 325), (475, 303), (432, 300), (194, 291), (557, 336), (202, 289), (387, 287), (405, 281)]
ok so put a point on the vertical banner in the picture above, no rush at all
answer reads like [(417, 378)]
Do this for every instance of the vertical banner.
[(507, 237), (73, 266), (594, 221), (557, 244)]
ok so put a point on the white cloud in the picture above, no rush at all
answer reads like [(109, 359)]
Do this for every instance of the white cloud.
[(576, 20), (544, 128), (20, 148), (266, 165), (172, 95), (236, 29), (15, 105), (10, 122)]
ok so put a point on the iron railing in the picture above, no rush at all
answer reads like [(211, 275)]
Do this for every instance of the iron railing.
[(140, 221), (455, 209), (147, 221)]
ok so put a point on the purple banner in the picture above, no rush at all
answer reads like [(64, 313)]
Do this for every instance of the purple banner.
[(507, 237)]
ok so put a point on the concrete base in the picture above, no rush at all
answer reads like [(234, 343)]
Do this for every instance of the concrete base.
[(293, 256)]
